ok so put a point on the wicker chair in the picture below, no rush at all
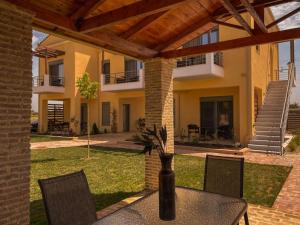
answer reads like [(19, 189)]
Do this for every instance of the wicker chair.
[(225, 175), (68, 200)]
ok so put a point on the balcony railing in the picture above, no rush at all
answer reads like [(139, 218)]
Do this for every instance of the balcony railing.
[(119, 78), (199, 60), (128, 80), (53, 81), (48, 84), (37, 81), (56, 81), (191, 61)]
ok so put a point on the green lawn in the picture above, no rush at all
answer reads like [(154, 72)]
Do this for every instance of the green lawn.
[(116, 174), (44, 138)]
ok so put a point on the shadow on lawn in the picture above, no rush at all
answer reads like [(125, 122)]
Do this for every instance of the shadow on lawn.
[(38, 215), (43, 160), (113, 150)]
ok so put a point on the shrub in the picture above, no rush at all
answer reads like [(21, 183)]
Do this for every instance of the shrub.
[(95, 129), (294, 143)]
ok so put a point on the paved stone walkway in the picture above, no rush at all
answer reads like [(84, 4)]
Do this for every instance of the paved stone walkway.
[(285, 211), (289, 197)]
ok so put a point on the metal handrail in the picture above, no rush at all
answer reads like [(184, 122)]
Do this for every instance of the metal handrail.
[(37, 81), (122, 77), (283, 120)]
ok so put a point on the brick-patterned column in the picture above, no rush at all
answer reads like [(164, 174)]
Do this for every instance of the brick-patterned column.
[(159, 110), (15, 110)]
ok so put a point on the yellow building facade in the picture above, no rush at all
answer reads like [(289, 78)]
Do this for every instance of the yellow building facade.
[(215, 94)]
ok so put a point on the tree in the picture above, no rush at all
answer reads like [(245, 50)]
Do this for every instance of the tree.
[(89, 90)]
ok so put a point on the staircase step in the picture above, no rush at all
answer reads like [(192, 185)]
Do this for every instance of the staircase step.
[(267, 137), (266, 128), (272, 107), (267, 124), (276, 98), (265, 148), (271, 113), (268, 132), (266, 142), (274, 119)]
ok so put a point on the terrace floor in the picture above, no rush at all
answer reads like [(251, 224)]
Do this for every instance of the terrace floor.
[(285, 210)]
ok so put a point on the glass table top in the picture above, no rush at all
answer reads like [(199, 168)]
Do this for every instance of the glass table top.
[(192, 207)]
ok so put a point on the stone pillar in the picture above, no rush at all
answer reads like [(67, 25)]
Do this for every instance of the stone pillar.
[(15, 111), (158, 110)]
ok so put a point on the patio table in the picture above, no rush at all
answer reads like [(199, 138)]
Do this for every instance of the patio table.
[(192, 207)]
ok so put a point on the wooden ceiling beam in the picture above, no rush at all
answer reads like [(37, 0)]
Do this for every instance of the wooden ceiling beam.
[(140, 8), (47, 16), (258, 20), (231, 9), (283, 17), (141, 25), (53, 22), (228, 25), (222, 12), (85, 9), (184, 33), (259, 39)]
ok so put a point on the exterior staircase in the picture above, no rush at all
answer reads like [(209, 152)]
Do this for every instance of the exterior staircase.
[(270, 125)]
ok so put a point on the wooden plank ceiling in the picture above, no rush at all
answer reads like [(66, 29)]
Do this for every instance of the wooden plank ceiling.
[(149, 28)]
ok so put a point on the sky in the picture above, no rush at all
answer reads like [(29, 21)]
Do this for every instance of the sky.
[(284, 55)]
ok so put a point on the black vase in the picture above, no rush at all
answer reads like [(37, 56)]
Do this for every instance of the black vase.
[(166, 188)]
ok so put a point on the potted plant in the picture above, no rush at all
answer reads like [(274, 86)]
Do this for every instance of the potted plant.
[(154, 139)]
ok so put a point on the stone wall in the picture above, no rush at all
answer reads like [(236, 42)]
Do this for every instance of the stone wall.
[(15, 111), (158, 110)]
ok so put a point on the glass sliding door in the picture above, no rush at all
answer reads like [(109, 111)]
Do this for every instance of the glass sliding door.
[(216, 117)]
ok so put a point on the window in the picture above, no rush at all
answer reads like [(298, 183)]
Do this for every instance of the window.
[(211, 36), (214, 36), (105, 113), (131, 70), (106, 71), (56, 73)]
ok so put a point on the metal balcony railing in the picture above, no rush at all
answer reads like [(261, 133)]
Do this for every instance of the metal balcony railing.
[(123, 77), (190, 61), (53, 81), (37, 81), (56, 81)]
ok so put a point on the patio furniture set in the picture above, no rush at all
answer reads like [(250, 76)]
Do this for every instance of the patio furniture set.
[(68, 200)]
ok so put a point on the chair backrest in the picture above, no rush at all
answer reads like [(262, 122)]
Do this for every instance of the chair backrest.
[(68, 200), (224, 175)]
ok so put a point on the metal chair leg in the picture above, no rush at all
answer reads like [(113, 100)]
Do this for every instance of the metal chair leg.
[(246, 219)]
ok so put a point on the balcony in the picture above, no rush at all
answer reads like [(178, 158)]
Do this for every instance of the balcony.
[(203, 66), (128, 80), (48, 84)]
